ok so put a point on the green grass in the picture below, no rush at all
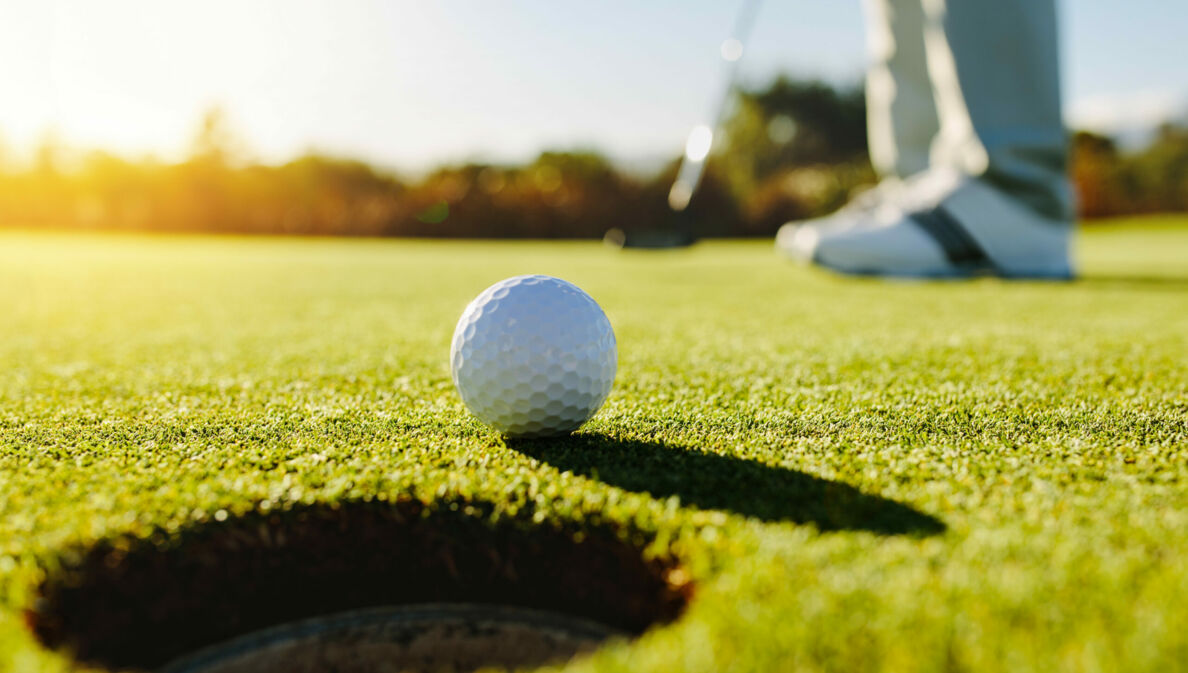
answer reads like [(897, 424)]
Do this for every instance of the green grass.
[(1011, 458)]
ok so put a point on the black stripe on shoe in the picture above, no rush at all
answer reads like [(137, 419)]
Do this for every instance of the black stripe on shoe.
[(959, 247)]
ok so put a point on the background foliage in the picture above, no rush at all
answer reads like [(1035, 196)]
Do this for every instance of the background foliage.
[(790, 150)]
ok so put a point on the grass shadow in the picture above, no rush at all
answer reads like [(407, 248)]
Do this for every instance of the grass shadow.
[(1134, 282), (712, 481)]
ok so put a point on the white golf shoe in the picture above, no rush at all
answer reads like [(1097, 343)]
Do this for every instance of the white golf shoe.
[(793, 239), (942, 225)]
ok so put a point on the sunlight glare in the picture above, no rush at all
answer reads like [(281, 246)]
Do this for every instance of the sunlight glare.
[(732, 50), (698, 146)]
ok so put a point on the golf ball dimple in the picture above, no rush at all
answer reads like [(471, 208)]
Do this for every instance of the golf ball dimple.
[(533, 356)]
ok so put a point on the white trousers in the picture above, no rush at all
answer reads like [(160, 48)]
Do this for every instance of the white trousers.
[(971, 85)]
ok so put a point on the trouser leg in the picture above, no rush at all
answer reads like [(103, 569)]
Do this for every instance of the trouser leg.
[(901, 113), (995, 74)]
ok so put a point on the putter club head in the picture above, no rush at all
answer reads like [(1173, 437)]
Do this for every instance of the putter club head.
[(648, 239), (678, 233)]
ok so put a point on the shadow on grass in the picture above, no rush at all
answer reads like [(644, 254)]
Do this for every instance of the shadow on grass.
[(1134, 282), (712, 481)]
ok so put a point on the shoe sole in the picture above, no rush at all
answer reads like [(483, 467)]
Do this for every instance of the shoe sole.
[(968, 272)]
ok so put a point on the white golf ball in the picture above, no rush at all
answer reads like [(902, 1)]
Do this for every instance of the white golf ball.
[(533, 356)]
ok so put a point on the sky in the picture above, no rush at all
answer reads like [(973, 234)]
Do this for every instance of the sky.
[(411, 83)]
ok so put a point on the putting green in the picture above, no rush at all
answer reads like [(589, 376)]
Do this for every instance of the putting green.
[(837, 474)]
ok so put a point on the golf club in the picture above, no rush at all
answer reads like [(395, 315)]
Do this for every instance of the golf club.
[(679, 230)]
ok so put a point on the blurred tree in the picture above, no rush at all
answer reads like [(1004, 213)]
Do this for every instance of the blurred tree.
[(1159, 174), (48, 156), (1110, 182), (5, 156), (793, 150), (789, 124), (214, 142), (1094, 172)]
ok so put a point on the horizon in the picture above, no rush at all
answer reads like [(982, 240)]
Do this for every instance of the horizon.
[(467, 83)]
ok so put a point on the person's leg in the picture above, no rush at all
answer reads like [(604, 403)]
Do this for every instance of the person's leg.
[(995, 198), (995, 72), (901, 114), (901, 120)]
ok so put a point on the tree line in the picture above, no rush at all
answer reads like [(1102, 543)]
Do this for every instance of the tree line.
[(792, 149)]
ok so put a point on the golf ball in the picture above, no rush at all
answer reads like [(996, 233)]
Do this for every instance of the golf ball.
[(533, 356)]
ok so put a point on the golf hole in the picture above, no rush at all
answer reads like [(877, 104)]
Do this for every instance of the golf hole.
[(354, 587)]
